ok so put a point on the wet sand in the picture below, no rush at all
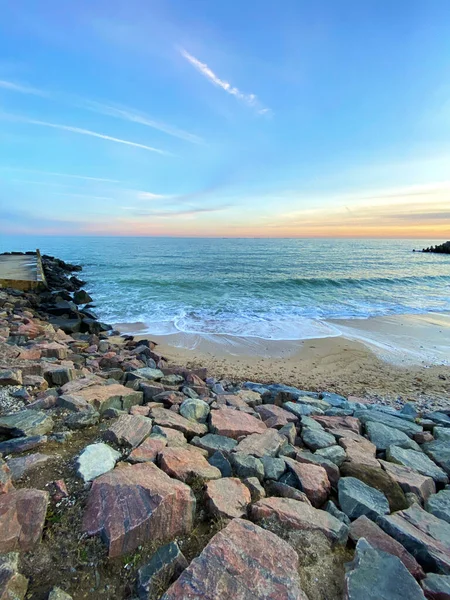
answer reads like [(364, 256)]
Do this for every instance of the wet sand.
[(398, 357)]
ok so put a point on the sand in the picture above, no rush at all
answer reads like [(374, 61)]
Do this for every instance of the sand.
[(397, 358)]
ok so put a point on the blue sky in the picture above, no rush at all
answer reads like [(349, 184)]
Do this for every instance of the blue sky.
[(198, 117)]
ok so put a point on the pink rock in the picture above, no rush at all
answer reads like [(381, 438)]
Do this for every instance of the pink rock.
[(148, 450), (227, 497), (331, 423), (234, 423), (129, 430), (22, 516), (5, 478), (167, 418), (241, 562), (410, 481), (364, 527), (234, 401), (53, 350), (361, 452), (295, 515), (423, 436), (262, 444), (31, 354), (140, 410), (58, 490), (109, 396), (132, 505), (278, 416), (313, 480), (175, 439), (331, 469), (186, 464)]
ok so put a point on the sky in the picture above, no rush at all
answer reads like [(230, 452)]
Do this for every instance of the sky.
[(262, 118)]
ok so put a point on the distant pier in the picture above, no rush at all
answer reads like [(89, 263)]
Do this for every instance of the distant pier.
[(22, 271)]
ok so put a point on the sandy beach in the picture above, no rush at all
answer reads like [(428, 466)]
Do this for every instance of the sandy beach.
[(396, 357)]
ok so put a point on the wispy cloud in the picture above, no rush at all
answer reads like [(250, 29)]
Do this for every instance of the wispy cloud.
[(183, 212), (249, 99), (87, 132), (21, 89), (150, 196)]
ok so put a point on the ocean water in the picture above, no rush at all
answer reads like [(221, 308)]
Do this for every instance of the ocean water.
[(284, 289)]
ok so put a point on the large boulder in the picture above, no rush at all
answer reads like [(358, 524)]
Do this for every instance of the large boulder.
[(417, 461), (262, 444), (383, 437), (234, 423), (378, 416), (243, 562), (439, 505), (132, 505), (95, 460), (165, 565), (186, 464), (102, 397), (315, 439), (26, 423), (214, 443), (227, 498), (277, 416), (312, 479), (128, 430), (148, 450), (410, 480), (356, 499), (436, 587), (23, 465), (168, 418), (195, 409), (439, 451), (22, 516)]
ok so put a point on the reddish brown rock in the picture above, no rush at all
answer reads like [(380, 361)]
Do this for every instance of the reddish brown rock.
[(410, 481), (53, 350), (233, 401), (277, 415), (132, 505), (234, 423), (168, 418), (361, 452), (22, 516), (5, 478), (313, 481), (282, 490), (103, 397), (262, 444), (242, 562), (377, 538), (148, 450), (227, 497), (186, 464), (331, 469), (175, 439), (332, 423), (58, 490), (423, 437), (29, 354), (295, 515), (140, 410), (129, 430)]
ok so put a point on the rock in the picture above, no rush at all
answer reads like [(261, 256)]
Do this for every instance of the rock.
[(315, 459), (357, 499), (315, 439), (277, 415), (421, 438), (273, 467), (377, 575), (221, 462), (128, 430), (380, 480), (300, 410), (22, 465), (335, 454), (377, 538), (59, 594), (168, 418), (212, 443), (436, 587), (58, 490), (439, 451), (186, 465), (149, 373), (258, 565), (102, 397), (410, 480), (83, 419), (425, 536), (366, 416), (383, 437), (73, 403), (5, 479), (174, 438), (282, 490), (312, 479), (333, 423), (295, 515), (417, 461), (172, 379), (13, 585), (246, 465), (442, 434), (360, 452), (11, 377), (256, 490), (227, 498), (195, 409), (262, 444), (26, 423), (234, 423), (60, 376), (95, 460), (331, 508), (22, 444), (439, 505), (166, 565), (22, 516), (289, 431), (132, 505), (82, 297), (148, 450)]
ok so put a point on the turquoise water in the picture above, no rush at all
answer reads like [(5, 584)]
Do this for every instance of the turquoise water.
[(273, 289)]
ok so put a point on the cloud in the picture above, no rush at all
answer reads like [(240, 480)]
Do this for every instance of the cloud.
[(86, 132), (184, 212), (21, 89), (150, 196), (36, 171), (249, 99)]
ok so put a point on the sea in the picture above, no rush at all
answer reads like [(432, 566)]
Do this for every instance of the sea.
[(273, 289)]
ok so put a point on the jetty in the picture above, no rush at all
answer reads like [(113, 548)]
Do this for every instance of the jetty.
[(22, 271)]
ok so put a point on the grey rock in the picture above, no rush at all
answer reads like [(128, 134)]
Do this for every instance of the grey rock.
[(410, 410), (172, 379), (439, 505), (165, 566), (289, 431), (302, 409), (273, 467), (58, 594), (335, 454), (290, 479), (436, 587), (189, 392), (339, 412), (95, 460), (81, 420), (256, 490), (213, 442), (18, 445), (282, 490), (378, 416), (439, 451), (417, 461), (61, 376), (356, 499), (442, 434), (383, 437), (331, 508), (315, 439), (10, 377), (195, 409), (26, 423), (311, 423), (13, 585), (246, 465), (377, 575), (333, 399), (22, 465), (440, 418), (149, 373), (288, 450), (219, 460)]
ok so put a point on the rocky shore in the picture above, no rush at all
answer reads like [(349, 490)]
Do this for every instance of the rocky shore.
[(441, 249), (124, 476)]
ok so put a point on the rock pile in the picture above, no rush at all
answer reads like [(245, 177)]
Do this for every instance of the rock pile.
[(297, 492)]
